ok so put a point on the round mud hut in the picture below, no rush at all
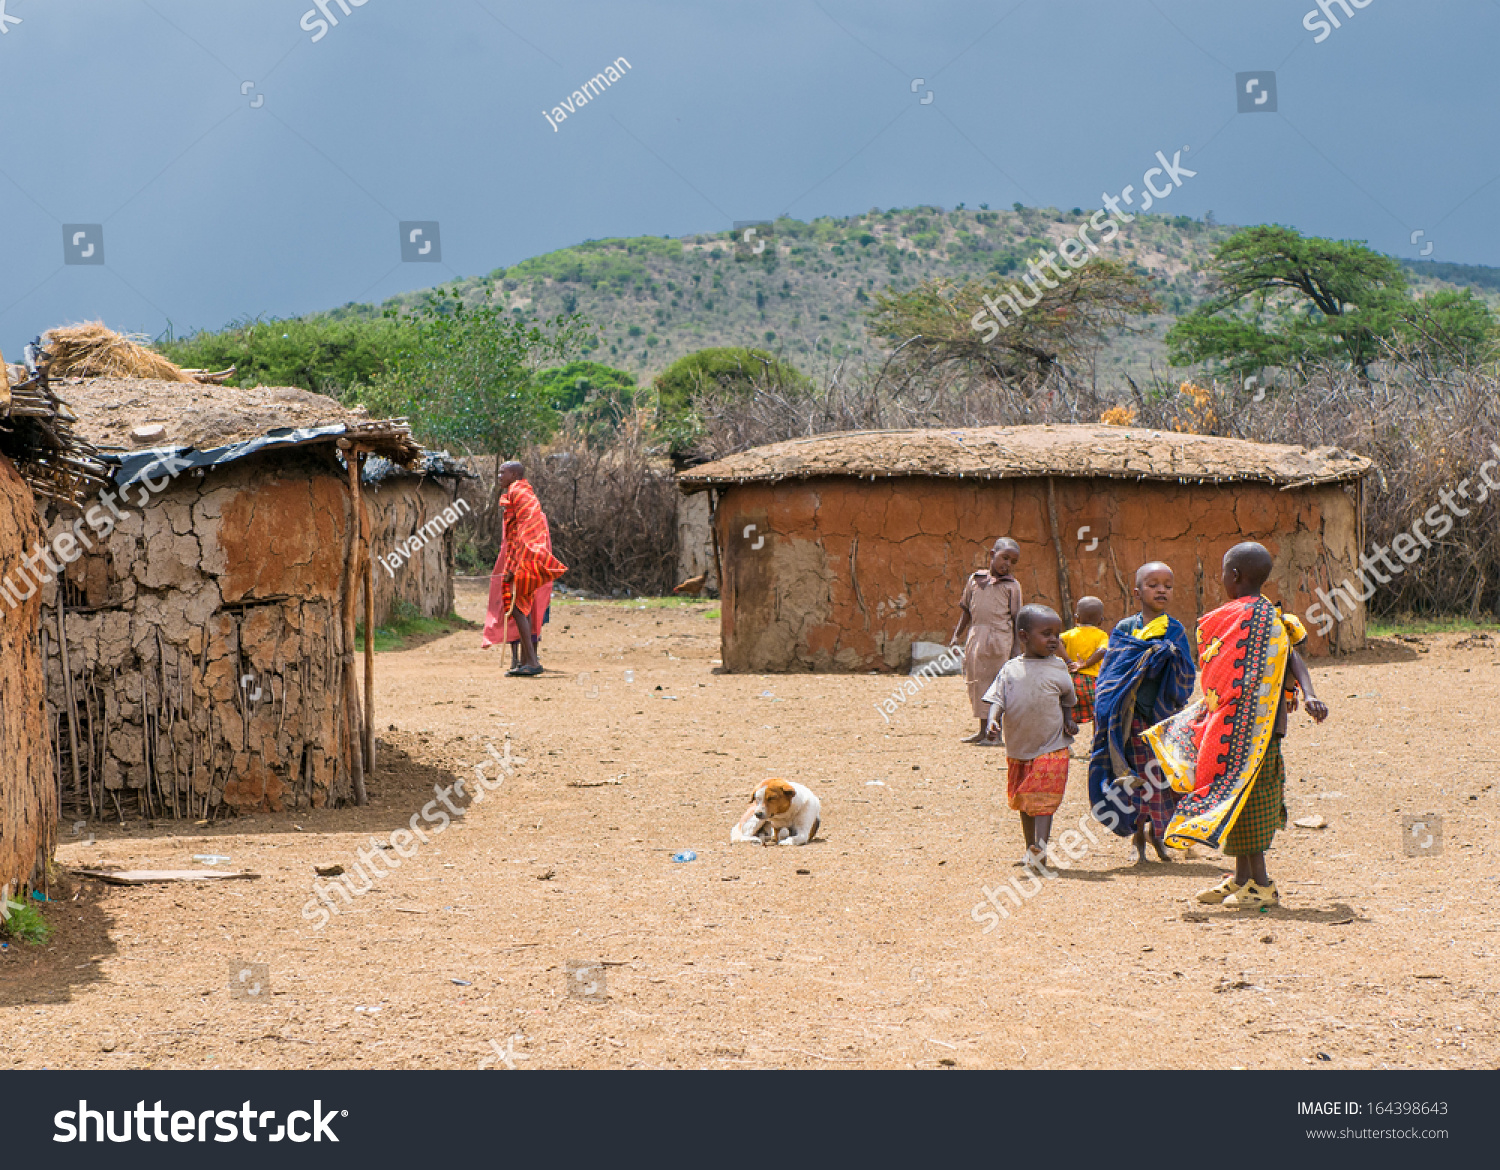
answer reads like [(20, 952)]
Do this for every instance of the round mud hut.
[(412, 513), (837, 552), (39, 457), (207, 601)]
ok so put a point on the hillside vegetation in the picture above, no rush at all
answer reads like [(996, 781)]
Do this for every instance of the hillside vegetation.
[(805, 294), (806, 291)]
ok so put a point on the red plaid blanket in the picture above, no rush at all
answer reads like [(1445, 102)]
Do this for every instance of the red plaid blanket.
[(528, 548)]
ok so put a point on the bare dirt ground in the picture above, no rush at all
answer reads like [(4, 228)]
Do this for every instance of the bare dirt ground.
[(859, 950)]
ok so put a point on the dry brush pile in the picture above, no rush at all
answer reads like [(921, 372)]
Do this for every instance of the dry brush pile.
[(612, 503), (1426, 432), (612, 506), (1426, 435)]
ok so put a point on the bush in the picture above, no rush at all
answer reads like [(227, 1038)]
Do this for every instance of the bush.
[(320, 354), (723, 373), (24, 923)]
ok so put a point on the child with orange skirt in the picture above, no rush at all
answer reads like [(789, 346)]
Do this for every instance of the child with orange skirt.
[(1033, 698)]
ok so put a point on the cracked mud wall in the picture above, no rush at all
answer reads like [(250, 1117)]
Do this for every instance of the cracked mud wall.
[(851, 572), (205, 646), (695, 550), (399, 508), (28, 786)]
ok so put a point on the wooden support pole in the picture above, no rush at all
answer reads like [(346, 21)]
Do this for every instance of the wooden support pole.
[(351, 599), (713, 532), (1063, 592), (364, 533)]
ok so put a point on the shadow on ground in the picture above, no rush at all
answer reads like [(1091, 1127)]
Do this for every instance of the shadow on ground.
[(49, 972)]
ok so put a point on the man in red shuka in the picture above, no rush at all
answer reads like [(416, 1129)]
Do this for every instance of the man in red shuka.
[(529, 563)]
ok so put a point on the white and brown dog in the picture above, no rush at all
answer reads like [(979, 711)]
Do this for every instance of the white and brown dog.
[(781, 813)]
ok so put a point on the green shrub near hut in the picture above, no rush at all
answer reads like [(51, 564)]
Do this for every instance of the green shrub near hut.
[(726, 373)]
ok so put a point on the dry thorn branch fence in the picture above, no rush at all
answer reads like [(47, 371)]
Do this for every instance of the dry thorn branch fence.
[(612, 506)]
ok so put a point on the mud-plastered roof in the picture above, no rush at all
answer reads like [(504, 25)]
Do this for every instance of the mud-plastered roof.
[(110, 410), (1063, 451)]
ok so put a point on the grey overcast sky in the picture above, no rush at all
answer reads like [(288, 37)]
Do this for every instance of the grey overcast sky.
[(240, 168)]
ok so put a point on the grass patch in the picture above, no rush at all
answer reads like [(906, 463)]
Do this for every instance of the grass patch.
[(24, 923), (660, 602), (1395, 625), (711, 615), (687, 603), (407, 623)]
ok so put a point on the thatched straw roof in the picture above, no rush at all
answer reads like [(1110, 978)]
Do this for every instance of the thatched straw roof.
[(1070, 452), (134, 414)]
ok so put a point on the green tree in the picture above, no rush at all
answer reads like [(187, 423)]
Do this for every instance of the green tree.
[(1290, 302), (723, 372), (465, 374), (599, 397)]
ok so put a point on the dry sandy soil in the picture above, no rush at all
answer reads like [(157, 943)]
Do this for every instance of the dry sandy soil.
[(857, 950)]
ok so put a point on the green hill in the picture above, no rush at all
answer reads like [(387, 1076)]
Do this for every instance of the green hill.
[(804, 293)]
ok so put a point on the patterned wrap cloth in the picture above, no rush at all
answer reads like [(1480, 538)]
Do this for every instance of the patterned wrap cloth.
[(1156, 801), (1159, 650), (499, 625), (527, 542), (1215, 752), (1084, 686), (1035, 787), (1265, 808)]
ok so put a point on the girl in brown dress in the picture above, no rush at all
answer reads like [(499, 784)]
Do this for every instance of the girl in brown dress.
[(991, 600)]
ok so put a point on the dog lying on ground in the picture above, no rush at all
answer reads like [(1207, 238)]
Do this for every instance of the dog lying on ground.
[(781, 813)]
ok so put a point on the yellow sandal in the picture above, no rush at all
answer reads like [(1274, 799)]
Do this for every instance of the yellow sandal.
[(1214, 895), (1254, 897)]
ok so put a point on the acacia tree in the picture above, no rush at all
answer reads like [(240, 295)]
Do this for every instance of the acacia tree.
[(1285, 301), (945, 324)]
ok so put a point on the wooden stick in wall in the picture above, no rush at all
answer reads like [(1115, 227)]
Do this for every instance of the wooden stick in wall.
[(1063, 592), (67, 673)]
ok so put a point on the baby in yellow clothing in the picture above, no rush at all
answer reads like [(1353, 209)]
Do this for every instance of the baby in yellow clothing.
[(1083, 650)]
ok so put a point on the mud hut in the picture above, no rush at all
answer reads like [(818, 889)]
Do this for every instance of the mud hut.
[(208, 601), (412, 513), (837, 552), (39, 456)]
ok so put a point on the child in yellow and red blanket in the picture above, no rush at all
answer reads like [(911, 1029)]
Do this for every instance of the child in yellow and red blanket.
[(1083, 650), (1224, 752), (1147, 677)]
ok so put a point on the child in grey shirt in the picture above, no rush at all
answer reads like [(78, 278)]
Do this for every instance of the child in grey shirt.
[(1033, 697)]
